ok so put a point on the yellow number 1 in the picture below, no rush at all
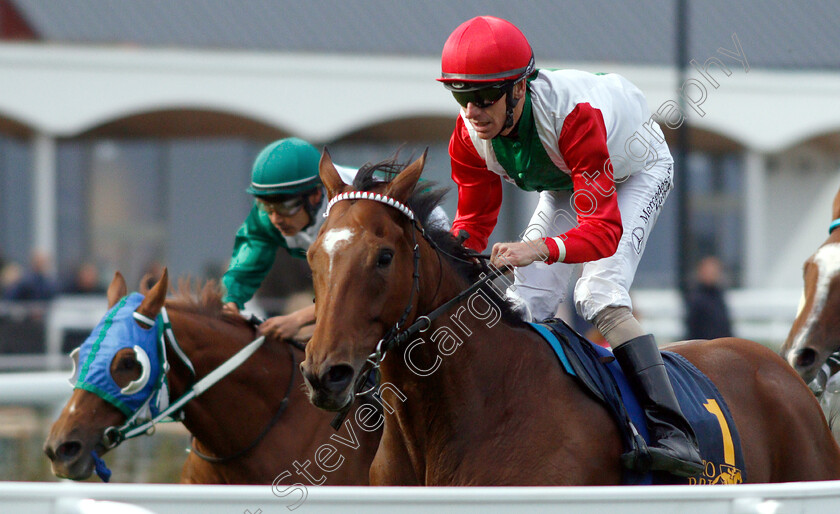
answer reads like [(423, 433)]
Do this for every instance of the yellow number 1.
[(728, 446)]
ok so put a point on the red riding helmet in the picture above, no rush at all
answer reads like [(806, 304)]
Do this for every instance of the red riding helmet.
[(485, 49)]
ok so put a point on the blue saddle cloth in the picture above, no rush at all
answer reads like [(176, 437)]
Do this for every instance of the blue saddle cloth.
[(701, 403)]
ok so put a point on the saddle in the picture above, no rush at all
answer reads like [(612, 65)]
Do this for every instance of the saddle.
[(596, 371)]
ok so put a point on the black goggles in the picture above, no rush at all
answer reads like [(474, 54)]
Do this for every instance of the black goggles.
[(481, 98)]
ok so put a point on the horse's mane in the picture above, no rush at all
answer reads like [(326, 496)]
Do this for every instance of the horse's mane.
[(426, 197), (202, 299)]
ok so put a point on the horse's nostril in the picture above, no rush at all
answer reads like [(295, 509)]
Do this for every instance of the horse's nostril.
[(338, 377), (69, 450), (805, 358)]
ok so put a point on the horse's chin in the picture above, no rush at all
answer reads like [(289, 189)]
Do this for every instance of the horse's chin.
[(331, 402), (80, 469)]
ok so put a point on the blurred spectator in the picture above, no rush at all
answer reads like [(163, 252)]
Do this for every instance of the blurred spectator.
[(36, 283), (85, 281), (10, 275), (707, 315)]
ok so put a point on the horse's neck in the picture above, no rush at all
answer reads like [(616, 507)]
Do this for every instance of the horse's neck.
[(443, 380), (207, 348)]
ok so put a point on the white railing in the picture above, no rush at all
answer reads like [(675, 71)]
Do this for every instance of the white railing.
[(63, 498)]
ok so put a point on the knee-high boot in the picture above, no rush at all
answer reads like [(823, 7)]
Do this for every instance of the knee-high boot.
[(673, 447)]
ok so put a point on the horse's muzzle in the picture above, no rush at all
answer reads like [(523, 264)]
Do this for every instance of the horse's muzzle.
[(806, 362), (69, 459), (330, 389)]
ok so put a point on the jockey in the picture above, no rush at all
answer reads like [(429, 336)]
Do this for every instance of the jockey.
[(288, 198), (287, 213), (587, 144)]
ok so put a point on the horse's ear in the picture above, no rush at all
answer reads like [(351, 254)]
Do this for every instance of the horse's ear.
[(329, 176), (403, 185), (116, 290), (153, 302)]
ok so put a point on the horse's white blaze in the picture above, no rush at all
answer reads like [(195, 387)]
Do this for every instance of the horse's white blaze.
[(334, 239), (827, 260)]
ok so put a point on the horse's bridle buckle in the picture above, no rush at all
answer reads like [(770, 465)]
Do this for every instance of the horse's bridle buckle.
[(111, 438)]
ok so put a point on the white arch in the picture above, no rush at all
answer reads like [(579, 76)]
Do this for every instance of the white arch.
[(63, 91)]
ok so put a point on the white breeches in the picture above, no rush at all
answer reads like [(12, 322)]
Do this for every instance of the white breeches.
[(604, 282)]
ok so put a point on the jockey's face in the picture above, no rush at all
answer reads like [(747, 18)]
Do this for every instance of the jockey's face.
[(291, 224), (489, 121)]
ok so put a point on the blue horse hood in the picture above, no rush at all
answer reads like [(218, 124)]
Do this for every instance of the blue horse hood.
[(118, 330)]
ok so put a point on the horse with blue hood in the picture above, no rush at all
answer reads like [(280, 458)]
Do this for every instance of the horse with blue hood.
[(152, 359)]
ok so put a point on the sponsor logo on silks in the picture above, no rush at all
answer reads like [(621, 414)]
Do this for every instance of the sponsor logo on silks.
[(638, 238), (658, 199), (722, 474)]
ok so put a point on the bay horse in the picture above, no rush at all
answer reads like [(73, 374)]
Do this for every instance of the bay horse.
[(477, 397), (815, 333), (244, 430)]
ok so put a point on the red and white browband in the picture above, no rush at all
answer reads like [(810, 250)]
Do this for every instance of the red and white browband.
[(367, 195)]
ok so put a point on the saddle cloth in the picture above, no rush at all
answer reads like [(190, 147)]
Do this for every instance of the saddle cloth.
[(701, 403)]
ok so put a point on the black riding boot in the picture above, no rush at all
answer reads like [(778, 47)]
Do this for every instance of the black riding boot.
[(673, 445)]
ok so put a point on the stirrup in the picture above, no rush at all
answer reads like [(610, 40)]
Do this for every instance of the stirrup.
[(661, 460), (645, 458), (638, 460)]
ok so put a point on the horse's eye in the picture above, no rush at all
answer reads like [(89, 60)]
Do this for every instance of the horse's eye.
[(385, 258), (129, 363)]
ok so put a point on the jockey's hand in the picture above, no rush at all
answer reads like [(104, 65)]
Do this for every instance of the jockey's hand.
[(288, 326), (518, 254), (280, 327), (231, 308)]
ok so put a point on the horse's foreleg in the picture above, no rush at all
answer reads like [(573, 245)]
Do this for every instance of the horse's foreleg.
[(391, 465)]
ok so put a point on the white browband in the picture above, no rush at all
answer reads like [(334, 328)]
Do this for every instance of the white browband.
[(367, 195)]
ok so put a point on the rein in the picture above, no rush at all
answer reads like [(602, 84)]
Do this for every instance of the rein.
[(114, 436), (395, 336), (284, 404)]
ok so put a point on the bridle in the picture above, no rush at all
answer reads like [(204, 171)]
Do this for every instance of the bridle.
[(135, 426), (396, 335)]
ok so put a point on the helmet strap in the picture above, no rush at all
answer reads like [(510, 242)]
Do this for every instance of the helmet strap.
[(312, 210), (510, 105)]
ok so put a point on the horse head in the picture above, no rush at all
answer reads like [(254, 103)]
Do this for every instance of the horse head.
[(116, 374), (362, 264), (815, 333)]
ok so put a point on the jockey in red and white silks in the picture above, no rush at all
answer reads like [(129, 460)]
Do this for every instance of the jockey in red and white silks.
[(590, 126), (569, 135)]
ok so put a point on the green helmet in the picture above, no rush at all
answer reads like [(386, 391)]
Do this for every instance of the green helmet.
[(285, 167)]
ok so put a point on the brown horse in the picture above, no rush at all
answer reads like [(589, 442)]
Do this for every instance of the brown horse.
[(245, 431), (476, 397), (815, 333)]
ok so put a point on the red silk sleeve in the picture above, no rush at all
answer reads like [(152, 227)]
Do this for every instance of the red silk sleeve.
[(583, 144), (479, 190)]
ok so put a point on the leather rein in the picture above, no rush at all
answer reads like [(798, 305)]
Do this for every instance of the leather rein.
[(133, 427)]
